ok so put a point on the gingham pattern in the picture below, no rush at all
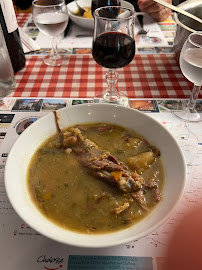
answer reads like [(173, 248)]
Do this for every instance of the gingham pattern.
[(22, 18), (147, 76)]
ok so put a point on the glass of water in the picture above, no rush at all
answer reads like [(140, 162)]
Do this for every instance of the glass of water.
[(51, 17), (191, 66), (7, 79)]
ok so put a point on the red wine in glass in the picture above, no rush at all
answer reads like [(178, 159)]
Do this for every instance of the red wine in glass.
[(113, 49), (101, 3)]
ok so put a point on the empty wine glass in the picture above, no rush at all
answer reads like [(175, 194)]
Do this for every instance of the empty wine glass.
[(191, 66), (113, 47), (51, 17)]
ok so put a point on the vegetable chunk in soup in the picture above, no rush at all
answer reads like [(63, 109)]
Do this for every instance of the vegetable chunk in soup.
[(96, 178)]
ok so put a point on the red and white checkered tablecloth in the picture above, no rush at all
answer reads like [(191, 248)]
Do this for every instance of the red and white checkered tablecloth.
[(22, 18), (147, 76)]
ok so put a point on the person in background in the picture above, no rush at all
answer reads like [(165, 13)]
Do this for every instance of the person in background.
[(155, 10), (158, 12)]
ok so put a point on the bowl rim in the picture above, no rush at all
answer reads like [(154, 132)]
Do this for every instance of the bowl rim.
[(96, 244), (83, 18), (184, 7), (76, 16)]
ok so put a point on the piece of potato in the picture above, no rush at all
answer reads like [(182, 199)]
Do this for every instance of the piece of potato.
[(132, 143), (141, 161), (127, 142)]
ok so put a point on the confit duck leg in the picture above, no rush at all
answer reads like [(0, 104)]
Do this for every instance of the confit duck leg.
[(100, 163)]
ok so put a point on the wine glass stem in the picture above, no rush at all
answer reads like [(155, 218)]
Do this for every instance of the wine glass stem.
[(112, 78), (194, 95), (54, 51)]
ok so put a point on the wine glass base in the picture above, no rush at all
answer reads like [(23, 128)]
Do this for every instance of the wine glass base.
[(188, 115), (117, 98), (58, 60)]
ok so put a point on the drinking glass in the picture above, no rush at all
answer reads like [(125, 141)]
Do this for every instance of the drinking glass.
[(7, 79), (113, 47), (102, 3), (191, 66), (51, 17)]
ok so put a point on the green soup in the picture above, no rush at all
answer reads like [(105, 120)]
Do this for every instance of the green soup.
[(71, 197)]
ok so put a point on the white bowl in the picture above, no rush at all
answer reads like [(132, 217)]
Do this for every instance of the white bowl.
[(24, 148), (85, 22)]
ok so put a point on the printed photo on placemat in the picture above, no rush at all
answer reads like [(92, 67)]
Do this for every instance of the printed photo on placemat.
[(146, 50), (25, 123), (82, 50), (81, 101), (152, 40), (53, 104), (144, 105), (199, 105), (28, 105), (6, 120), (169, 105), (6, 104)]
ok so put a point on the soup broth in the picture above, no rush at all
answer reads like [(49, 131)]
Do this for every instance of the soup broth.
[(78, 196)]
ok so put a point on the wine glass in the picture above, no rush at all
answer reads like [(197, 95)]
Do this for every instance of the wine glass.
[(113, 47), (51, 17), (191, 66), (102, 3)]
